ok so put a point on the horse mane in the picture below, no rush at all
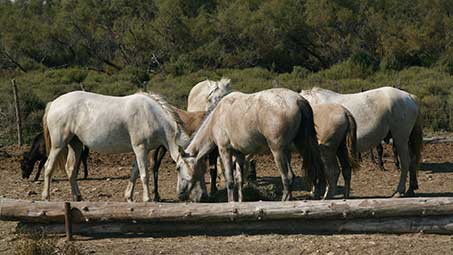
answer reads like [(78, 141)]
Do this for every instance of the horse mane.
[(326, 91), (206, 116), (167, 107)]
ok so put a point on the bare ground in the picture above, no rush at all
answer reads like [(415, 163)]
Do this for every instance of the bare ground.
[(108, 178)]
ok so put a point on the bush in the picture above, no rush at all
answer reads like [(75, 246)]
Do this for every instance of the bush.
[(432, 86)]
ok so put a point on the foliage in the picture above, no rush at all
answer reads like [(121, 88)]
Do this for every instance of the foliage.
[(185, 36), (117, 47)]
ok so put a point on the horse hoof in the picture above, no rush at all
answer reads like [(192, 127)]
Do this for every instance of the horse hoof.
[(410, 193), (156, 198), (77, 198), (397, 195)]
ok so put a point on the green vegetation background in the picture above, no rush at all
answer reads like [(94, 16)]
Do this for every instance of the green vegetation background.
[(117, 47)]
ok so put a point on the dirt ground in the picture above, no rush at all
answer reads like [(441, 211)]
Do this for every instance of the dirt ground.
[(108, 178)]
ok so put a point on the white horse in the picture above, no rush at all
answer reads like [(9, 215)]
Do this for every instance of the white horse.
[(378, 112), (140, 122), (207, 92), (242, 124)]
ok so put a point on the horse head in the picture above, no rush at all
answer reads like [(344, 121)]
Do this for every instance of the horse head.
[(26, 165), (218, 90), (190, 185)]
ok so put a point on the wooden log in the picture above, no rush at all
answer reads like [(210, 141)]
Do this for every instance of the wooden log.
[(398, 225), (18, 113), (88, 212), (68, 221)]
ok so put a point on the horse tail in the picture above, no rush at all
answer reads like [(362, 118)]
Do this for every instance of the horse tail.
[(60, 162), (46, 129), (307, 143), (416, 138), (351, 141)]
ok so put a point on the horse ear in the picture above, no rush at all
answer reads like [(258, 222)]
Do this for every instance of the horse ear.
[(225, 83)]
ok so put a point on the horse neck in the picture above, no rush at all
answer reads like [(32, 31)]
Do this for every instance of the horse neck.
[(201, 143), (175, 136), (35, 151)]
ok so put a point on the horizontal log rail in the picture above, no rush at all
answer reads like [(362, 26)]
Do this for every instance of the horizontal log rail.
[(104, 212)]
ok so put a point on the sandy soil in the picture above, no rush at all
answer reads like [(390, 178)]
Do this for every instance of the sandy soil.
[(108, 178)]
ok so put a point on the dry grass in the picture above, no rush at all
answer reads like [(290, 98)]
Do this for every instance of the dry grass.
[(39, 244)]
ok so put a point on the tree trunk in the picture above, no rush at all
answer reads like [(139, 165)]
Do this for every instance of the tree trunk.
[(18, 114)]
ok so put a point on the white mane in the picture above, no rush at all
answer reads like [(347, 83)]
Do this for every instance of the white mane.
[(170, 111)]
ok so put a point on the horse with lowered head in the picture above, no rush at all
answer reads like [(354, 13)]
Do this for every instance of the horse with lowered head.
[(242, 124), (378, 112), (37, 152), (140, 122)]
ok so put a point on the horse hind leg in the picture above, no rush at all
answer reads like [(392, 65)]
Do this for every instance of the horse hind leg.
[(413, 183), (403, 150), (331, 170), (281, 160), (129, 192), (49, 168), (226, 157), (342, 155), (75, 148)]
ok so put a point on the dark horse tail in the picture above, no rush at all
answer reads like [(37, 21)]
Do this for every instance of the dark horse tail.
[(307, 143), (351, 141), (416, 144)]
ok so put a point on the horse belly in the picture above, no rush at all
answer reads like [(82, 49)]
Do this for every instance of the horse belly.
[(110, 141), (250, 144)]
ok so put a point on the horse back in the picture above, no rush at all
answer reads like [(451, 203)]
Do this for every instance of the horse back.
[(252, 122)]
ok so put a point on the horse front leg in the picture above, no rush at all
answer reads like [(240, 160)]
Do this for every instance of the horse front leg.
[(395, 156), (213, 171), (84, 159), (142, 163), (42, 162), (380, 154), (226, 157)]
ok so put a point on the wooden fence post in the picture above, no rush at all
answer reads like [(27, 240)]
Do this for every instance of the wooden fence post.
[(68, 221), (18, 114)]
